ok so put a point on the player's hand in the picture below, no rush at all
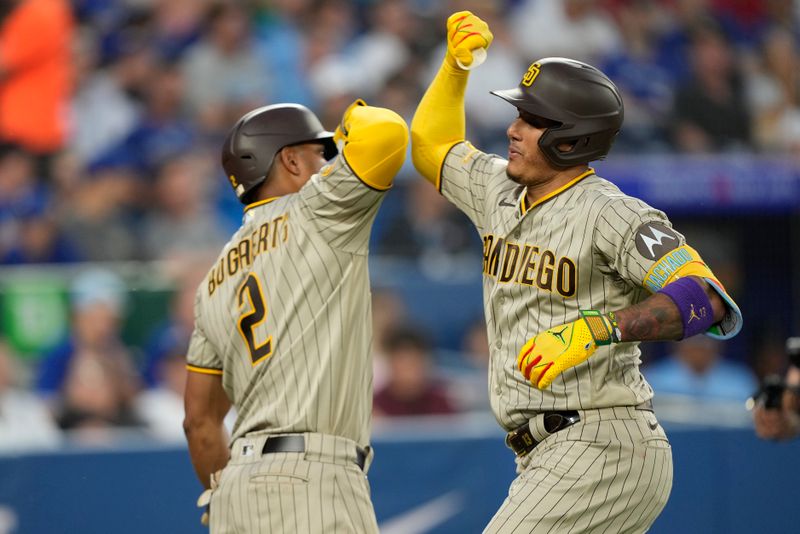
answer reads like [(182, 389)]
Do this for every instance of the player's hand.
[(343, 130), (551, 352), (466, 34), (204, 501)]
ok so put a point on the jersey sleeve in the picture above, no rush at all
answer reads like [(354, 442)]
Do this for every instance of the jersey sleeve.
[(201, 356), (341, 206), (466, 177), (632, 236)]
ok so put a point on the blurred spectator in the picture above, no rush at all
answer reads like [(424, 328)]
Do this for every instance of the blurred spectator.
[(284, 48), (676, 20), (177, 24), (36, 75), (94, 398), (25, 421), (430, 231), (388, 309), (645, 85), (39, 240), (468, 384), (364, 66), (107, 103), (162, 130), (411, 388), (576, 29), (710, 110), (182, 218), (102, 215), (224, 75), (160, 405), (172, 336), (29, 232), (475, 345), (94, 348), (697, 368), (160, 408), (774, 94)]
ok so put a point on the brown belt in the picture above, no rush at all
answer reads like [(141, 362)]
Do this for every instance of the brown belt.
[(521, 441)]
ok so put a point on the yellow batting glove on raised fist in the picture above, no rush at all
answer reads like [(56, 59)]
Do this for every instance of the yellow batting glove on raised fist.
[(373, 142), (557, 349), (343, 130), (468, 37)]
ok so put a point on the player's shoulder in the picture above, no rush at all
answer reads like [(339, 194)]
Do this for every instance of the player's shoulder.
[(466, 156), (606, 196)]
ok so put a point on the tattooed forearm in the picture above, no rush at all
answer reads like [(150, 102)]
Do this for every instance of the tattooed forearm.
[(654, 319)]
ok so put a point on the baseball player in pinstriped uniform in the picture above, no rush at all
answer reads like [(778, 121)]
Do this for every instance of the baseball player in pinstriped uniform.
[(575, 274), (283, 325)]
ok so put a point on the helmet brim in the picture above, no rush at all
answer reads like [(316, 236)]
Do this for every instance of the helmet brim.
[(331, 151), (512, 96)]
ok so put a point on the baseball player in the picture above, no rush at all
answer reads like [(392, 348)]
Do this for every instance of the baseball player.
[(575, 274), (283, 325)]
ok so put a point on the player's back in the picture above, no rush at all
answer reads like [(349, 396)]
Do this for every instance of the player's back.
[(286, 307)]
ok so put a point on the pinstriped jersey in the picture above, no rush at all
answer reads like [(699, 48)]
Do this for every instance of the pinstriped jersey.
[(587, 246), (285, 315)]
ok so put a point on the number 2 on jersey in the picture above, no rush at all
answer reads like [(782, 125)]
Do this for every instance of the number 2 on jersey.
[(252, 317)]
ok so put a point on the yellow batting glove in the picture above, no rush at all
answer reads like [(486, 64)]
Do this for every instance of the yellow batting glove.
[(343, 130), (466, 34), (557, 349)]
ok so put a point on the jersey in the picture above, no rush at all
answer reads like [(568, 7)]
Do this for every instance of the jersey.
[(584, 246), (284, 314)]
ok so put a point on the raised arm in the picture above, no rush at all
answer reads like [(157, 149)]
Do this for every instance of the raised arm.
[(373, 141), (439, 122)]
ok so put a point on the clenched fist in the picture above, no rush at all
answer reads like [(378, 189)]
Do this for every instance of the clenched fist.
[(343, 129), (550, 353), (466, 35)]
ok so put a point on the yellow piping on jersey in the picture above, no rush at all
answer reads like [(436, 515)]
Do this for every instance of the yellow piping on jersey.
[(204, 370), (550, 195), (260, 203)]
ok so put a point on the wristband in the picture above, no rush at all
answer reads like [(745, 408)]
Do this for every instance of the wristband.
[(602, 329), (693, 305)]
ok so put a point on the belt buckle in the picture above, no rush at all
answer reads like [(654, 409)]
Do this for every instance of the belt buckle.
[(521, 441)]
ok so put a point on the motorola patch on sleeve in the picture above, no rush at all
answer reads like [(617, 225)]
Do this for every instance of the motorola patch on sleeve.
[(654, 239)]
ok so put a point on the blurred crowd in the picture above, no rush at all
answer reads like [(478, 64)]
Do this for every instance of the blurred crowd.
[(112, 114)]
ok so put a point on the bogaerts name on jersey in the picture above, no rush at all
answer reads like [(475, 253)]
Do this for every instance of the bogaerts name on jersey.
[(241, 254), (526, 264)]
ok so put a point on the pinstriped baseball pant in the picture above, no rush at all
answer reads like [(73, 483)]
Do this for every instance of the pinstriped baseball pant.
[(319, 491), (609, 473)]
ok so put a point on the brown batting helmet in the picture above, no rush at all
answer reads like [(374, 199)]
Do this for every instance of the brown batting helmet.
[(584, 104), (255, 139)]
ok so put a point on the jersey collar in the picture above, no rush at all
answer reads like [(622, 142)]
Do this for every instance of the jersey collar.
[(259, 203), (523, 204)]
